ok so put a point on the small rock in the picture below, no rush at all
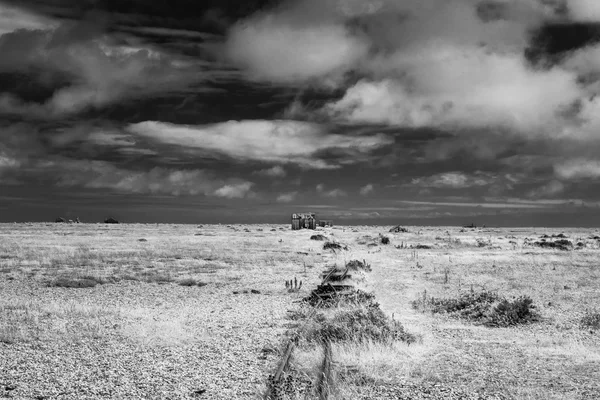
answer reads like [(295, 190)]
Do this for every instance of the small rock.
[(255, 291)]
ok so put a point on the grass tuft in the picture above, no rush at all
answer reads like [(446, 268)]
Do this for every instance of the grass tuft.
[(485, 307), (81, 282), (318, 237), (356, 325), (591, 320), (334, 246)]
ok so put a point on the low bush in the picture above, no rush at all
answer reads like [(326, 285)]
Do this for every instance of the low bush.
[(80, 282), (561, 244), (422, 247), (384, 240), (318, 237), (187, 282), (591, 320), (327, 297), (334, 246), (358, 325), (485, 307), (356, 265)]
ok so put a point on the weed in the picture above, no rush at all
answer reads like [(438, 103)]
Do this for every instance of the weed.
[(357, 325), (561, 244), (384, 240), (318, 237), (334, 246), (81, 282), (356, 265), (187, 282), (327, 296), (591, 320), (485, 307)]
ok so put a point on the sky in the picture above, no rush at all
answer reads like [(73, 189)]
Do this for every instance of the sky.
[(416, 112)]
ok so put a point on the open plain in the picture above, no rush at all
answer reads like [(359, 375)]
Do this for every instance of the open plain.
[(91, 311)]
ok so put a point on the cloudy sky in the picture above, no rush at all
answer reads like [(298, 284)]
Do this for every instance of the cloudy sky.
[(363, 111)]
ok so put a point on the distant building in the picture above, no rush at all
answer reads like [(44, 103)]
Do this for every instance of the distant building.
[(304, 221), (325, 222)]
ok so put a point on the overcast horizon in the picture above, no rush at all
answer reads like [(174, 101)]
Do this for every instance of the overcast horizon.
[(416, 112)]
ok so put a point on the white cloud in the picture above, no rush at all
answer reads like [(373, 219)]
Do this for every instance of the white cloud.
[(158, 180), (365, 190), (275, 172), (12, 18), (578, 169), (287, 197), (100, 69), (277, 141), (234, 191), (287, 46), (453, 180), (320, 188), (334, 193), (550, 189), (584, 10), (449, 86)]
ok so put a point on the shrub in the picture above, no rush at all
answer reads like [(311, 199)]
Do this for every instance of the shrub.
[(561, 244), (356, 265), (327, 296), (485, 307), (423, 247), (83, 282), (187, 282), (384, 240), (359, 325), (591, 320), (334, 246), (509, 313), (318, 237)]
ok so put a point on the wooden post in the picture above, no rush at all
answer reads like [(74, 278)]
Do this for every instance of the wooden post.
[(325, 380)]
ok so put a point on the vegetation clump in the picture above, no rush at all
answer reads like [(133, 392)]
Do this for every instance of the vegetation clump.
[(191, 282), (560, 244), (591, 320), (334, 246), (327, 296), (384, 240), (80, 282), (487, 308), (357, 265), (318, 237), (357, 325)]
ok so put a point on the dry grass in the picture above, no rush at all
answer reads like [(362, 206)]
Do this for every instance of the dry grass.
[(557, 357)]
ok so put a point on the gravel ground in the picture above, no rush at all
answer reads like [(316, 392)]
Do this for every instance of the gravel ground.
[(156, 342)]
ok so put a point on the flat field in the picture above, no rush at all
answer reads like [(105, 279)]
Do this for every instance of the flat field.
[(91, 311)]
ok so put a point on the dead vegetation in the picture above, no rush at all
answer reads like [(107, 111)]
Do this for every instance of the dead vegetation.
[(334, 246), (485, 307)]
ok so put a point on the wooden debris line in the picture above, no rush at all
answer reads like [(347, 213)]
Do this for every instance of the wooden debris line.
[(326, 375), (275, 381)]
